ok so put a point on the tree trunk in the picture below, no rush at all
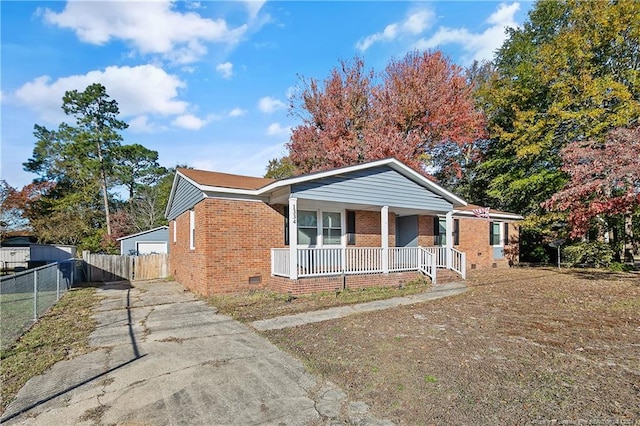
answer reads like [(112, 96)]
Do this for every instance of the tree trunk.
[(105, 195), (628, 238)]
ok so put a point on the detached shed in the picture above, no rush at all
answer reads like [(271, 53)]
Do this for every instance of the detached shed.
[(146, 242)]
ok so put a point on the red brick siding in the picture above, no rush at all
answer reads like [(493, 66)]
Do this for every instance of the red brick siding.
[(356, 282), (368, 227), (234, 240), (474, 241), (425, 231), (233, 243)]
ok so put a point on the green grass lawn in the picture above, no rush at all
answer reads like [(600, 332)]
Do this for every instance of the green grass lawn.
[(16, 312)]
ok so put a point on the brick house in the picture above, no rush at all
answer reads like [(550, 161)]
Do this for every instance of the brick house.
[(371, 224)]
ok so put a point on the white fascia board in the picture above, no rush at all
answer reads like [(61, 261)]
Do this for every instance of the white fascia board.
[(505, 216), (142, 233)]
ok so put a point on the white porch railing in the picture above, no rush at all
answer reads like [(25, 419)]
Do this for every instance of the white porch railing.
[(280, 262), (441, 255), (314, 262), (459, 263)]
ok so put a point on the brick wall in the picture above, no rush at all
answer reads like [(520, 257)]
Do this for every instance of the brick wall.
[(368, 226), (234, 240), (425, 231), (474, 241), (334, 283), (233, 244)]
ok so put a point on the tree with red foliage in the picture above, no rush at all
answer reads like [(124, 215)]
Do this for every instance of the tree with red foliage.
[(335, 118), (604, 179), (18, 206), (423, 107)]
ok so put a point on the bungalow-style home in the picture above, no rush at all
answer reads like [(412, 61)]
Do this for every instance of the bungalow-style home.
[(152, 241), (372, 224)]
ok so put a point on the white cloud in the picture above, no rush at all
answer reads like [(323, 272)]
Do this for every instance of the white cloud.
[(237, 112), (478, 46), (141, 124), (189, 122), (253, 7), (414, 24), (151, 27), (275, 129), (269, 104), (225, 69), (232, 157), (140, 90)]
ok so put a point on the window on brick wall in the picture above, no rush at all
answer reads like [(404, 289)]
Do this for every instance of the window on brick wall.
[(495, 233), (192, 230)]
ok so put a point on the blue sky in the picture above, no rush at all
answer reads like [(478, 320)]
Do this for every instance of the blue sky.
[(207, 83)]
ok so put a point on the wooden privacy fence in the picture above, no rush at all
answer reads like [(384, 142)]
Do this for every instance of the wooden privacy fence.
[(105, 267)]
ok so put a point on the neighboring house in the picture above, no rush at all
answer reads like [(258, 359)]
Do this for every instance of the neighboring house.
[(146, 242), (371, 224), (19, 253)]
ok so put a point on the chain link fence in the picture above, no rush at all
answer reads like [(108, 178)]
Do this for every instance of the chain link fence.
[(25, 296)]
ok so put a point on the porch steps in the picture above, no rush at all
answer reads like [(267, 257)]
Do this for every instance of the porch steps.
[(444, 276)]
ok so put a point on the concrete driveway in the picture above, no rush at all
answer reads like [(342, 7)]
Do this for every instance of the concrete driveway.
[(163, 357)]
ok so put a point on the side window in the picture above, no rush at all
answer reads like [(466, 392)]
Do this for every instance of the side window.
[(307, 227), (331, 228), (495, 233), (192, 230), (175, 228)]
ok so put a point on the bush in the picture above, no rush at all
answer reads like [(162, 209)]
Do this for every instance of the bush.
[(596, 254), (539, 254), (620, 267)]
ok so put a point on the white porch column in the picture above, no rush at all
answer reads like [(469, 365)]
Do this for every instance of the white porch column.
[(449, 226), (293, 238), (384, 234)]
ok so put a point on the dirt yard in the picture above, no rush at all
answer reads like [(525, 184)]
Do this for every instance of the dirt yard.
[(522, 346)]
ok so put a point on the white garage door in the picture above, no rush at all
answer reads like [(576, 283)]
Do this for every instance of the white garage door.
[(148, 247)]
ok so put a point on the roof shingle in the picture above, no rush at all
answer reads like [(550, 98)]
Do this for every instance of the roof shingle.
[(225, 180)]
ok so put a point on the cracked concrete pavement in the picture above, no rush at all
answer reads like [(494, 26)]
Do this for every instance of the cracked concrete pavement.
[(164, 357)]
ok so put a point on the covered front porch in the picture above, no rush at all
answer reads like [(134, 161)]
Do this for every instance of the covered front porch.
[(324, 241), (320, 261)]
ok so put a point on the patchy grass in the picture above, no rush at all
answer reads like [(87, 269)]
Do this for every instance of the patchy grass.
[(522, 346), (263, 304), (62, 333)]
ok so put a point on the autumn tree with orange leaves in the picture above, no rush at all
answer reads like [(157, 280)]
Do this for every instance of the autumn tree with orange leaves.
[(422, 112)]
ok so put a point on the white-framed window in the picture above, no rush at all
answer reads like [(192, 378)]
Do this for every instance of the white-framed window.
[(331, 228), (192, 230), (175, 228), (496, 234), (320, 228)]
